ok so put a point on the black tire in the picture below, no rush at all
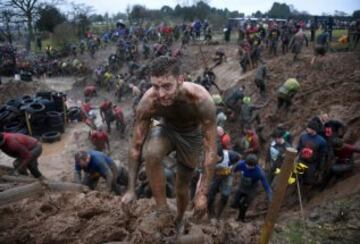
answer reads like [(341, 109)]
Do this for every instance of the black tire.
[(44, 94), (26, 97), (3, 109), (26, 102), (50, 137), (35, 107), (53, 114), (16, 111), (13, 127), (74, 113), (54, 118), (4, 115), (14, 103), (58, 100)]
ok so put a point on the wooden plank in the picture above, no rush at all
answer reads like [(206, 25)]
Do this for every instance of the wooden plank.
[(279, 194)]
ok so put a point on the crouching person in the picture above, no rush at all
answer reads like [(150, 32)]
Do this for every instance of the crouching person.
[(25, 149), (251, 173), (95, 165)]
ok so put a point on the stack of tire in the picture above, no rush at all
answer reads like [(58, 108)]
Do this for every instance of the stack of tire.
[(74, 114), (11, 117), (46, 115)]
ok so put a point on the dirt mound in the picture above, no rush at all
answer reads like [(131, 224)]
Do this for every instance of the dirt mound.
[(331, 86), (98, 217), (330, 222), (13, 89)]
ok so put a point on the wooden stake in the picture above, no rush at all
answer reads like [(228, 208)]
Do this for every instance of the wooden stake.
[(28, 123), (279, 195)]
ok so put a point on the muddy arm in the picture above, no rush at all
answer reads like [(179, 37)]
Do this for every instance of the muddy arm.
[(209, 128)]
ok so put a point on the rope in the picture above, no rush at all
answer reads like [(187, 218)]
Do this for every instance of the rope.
[(301, 204)]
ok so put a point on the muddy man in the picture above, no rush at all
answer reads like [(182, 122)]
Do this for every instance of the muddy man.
[(187, 125)]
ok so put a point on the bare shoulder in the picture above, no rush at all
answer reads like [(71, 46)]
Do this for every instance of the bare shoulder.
[(145, 109), (196, 92), (202, 98)]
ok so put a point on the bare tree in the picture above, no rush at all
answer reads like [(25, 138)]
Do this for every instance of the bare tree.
[(80, 16), (26, 9), (6, 17)]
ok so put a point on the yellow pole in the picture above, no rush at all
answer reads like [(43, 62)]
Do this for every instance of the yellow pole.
[(279, 194)]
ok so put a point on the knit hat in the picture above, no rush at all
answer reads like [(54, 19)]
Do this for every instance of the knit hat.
[(251, 159)]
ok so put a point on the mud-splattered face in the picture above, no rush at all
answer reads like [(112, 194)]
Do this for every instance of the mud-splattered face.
[(166, 89), (83, 162)]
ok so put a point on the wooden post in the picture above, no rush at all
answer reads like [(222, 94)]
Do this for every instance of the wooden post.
[(279, 195), (28, 123)]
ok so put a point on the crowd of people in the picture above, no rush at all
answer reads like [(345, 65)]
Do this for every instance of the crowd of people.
[(172, 112)]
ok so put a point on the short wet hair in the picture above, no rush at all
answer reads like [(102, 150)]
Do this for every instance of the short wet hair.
[(80, 155), (165, 65)]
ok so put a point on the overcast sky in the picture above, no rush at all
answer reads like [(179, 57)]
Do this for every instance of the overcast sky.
[(315, 7)]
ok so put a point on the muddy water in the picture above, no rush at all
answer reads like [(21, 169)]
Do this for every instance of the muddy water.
[(61, 84)]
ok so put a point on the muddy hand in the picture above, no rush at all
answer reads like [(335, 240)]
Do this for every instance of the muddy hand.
[(128, 197), (200, 206)]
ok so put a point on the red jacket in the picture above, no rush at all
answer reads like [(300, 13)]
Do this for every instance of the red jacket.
[(226, 141), (118, 113), (89, 90), (18, 145), (86, 107), (105, 105), (345, 153), (254, 145), (99, 139)]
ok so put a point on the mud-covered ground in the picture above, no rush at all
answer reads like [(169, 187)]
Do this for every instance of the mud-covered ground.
[(332, 86)]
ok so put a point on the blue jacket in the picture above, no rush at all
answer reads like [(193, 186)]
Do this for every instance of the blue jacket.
[(99, 163), (317, 144), (253, 175)]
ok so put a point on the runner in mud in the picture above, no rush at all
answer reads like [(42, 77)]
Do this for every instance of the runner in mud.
[(275, 155), (222, 180), (90, 91), (343, 161), (100, 139), (106, 113), (286, 92), (312, 151), (224, 138), (321, 46), (251, 174), (96, 164), (119, 118), (261, 74), (187, 123), (297, 43), (25, 149)]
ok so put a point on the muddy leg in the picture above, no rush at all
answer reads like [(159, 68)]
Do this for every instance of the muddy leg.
[(183, 178), (155, 149)]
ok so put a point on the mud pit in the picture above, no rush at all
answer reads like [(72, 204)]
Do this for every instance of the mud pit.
[(96, 217)]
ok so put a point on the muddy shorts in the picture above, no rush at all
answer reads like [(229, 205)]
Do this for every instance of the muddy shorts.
[(33, 163), (188, 144), (320, 50)]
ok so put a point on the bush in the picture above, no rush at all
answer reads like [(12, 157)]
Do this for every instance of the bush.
[(64, 34)]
